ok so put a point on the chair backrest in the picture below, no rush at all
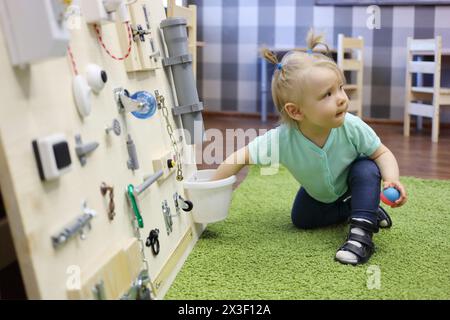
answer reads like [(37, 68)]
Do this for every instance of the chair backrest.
[(350, 58), (425, 47), (350, 45)]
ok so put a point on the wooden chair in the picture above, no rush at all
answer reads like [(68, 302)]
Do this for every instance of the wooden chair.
[(350, 58), (190, 14), (415, 96)]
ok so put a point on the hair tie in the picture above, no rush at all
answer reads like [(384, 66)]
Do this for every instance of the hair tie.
[(279, 66)]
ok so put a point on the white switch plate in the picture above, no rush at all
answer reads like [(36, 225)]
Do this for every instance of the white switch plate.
[(34, 30)]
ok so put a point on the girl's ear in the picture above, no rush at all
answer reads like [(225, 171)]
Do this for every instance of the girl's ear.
[(294, 111)]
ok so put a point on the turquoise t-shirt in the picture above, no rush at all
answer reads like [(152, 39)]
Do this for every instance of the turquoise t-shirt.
[(323, 171)]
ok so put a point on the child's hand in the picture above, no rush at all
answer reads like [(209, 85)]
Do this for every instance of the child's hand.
[(397, 185)]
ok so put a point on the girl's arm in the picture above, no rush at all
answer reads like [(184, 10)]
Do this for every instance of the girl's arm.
[(233, 164), (388, 166)]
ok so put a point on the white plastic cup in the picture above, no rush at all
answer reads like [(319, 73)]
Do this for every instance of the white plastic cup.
[(211, 199)]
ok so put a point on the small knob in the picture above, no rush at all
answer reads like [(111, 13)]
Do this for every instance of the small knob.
[(115, 127), (104, 76), (170, 163)]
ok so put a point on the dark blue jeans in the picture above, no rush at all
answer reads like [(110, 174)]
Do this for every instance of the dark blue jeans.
[(364, 183)]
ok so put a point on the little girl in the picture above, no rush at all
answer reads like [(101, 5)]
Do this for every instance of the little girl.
[(335, 156)]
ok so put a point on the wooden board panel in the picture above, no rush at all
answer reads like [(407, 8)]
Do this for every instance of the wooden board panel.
[(39, 103), (169, 266), (114, 271)]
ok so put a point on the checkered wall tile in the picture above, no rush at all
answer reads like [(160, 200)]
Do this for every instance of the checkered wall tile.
[(234, 30)]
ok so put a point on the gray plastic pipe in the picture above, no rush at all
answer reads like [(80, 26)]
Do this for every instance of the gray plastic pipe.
[(179, 59)]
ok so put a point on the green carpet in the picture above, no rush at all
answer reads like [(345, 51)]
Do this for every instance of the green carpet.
[(257, 253)]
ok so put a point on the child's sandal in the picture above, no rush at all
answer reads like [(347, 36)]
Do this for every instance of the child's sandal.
[(367, 248), (383, 216)]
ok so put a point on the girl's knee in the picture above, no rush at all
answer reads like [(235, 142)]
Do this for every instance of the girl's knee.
[(300, 222), (302, 225), (366, 168)]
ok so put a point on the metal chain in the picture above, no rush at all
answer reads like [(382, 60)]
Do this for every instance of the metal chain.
[(165, 112), (141, 241)]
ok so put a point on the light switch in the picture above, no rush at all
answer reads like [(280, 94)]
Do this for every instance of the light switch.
[(52, 156)]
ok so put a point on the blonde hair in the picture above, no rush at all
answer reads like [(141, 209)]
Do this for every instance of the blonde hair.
[(289, 77)]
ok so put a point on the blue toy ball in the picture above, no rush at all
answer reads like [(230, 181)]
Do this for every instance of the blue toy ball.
[(389, 196)]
